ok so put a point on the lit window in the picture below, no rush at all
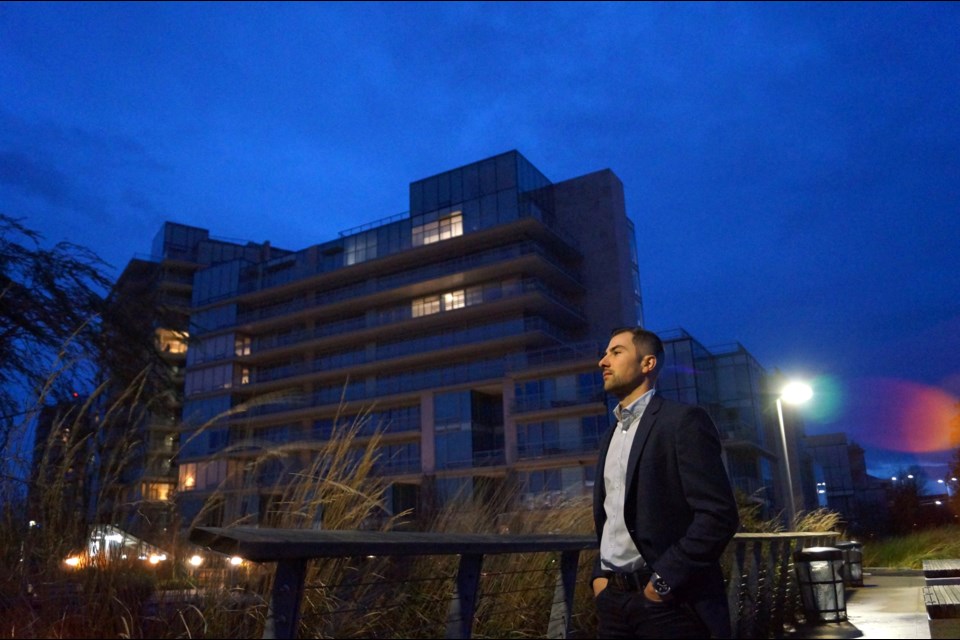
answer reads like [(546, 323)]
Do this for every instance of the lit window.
[(170, 341), (241, 346), (245, 375), (449, 226), (454, 300), (425, 306), (434, 304), (156, 491), (188, 476)]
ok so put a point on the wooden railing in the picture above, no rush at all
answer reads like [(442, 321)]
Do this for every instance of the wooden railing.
[(761, 582)]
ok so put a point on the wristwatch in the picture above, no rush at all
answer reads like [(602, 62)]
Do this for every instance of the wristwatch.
[(660, 585)]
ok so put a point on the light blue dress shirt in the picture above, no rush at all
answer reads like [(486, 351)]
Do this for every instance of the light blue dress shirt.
[(617, 550)]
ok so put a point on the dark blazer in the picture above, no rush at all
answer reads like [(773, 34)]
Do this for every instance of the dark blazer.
[(680, 510)]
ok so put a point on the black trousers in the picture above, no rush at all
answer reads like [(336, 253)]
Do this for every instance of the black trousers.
[(629, 614)]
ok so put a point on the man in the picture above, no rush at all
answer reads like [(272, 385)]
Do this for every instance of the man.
[(663, 506)]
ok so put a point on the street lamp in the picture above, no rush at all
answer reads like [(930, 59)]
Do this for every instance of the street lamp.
[(792, 393)]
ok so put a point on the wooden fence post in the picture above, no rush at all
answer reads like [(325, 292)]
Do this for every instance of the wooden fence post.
[(464, 603)]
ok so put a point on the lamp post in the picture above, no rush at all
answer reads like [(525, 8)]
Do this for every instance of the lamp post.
[(792, 393)]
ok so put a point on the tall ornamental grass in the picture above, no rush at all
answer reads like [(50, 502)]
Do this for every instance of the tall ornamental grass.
[(910, 550), (338, 489)]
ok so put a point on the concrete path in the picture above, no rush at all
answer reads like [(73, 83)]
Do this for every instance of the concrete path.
[(889, 605)]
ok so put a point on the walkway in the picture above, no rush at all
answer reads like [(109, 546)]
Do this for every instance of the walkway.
[(889, 605)]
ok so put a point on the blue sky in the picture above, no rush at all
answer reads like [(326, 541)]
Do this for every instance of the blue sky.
[(793, 169)]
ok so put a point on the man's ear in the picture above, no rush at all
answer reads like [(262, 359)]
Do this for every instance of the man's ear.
[(650, 364)]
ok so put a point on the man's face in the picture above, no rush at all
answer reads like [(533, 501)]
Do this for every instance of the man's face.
[(624, 369)]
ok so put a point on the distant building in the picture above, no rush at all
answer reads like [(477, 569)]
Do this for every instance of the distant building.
[(842, 483), (147, 324), (60, 485)]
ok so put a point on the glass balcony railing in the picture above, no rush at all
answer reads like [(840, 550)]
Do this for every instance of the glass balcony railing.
[(484, 458), (561, 447), (387, 466), (361, 322), (553, 400)]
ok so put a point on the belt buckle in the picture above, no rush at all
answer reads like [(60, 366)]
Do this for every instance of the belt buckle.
[(626, 581)]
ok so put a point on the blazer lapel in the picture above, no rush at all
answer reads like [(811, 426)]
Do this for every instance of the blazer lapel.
[(644, 428)]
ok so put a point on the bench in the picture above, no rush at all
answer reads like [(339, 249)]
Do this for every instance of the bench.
[(941, 572), (943, 610)]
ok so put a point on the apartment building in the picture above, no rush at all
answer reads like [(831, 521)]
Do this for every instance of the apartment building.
[(468, 329), (736, 390), (140, 414)]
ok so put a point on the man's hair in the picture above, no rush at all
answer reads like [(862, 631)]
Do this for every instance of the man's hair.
[(647, 343)]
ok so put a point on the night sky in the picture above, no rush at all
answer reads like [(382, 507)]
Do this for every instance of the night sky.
[(793, 170)]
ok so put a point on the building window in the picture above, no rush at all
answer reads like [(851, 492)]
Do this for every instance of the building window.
[(435, 304), (209, 379), (241, 346), (361, 247), (454, 300), (170, 341), (188, 476), (202, 475), (156, 491), (444, 228), (425, 306)]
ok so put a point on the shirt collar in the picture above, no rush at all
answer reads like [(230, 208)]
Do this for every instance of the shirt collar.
[(635, 409)]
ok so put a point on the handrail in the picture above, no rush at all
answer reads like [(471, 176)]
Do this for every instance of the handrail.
[(761, 585), (762, 590), (291, 549)]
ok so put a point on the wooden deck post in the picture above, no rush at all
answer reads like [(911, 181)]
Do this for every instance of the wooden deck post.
[(283, 613), (464, 603), (560, 612)]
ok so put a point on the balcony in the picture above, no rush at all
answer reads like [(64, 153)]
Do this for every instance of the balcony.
[(560, 447)]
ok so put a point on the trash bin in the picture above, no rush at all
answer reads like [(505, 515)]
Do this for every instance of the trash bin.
[(852, 562), (820, 578)]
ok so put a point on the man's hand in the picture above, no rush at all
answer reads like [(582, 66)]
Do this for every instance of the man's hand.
[(599, 584), (651, 594)]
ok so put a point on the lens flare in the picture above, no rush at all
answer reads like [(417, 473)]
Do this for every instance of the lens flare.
[(903, 416)]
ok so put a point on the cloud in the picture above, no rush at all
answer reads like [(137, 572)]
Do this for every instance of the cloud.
[(35, 178)]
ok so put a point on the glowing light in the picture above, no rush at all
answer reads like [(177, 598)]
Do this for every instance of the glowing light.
[(72, 561), (157, 558), (196, 560), (796, 392), (937, 502), (906, 416), (894, 478), (236, 561), (114, 537)]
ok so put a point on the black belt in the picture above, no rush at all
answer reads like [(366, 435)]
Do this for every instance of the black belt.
[(635, 581)]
